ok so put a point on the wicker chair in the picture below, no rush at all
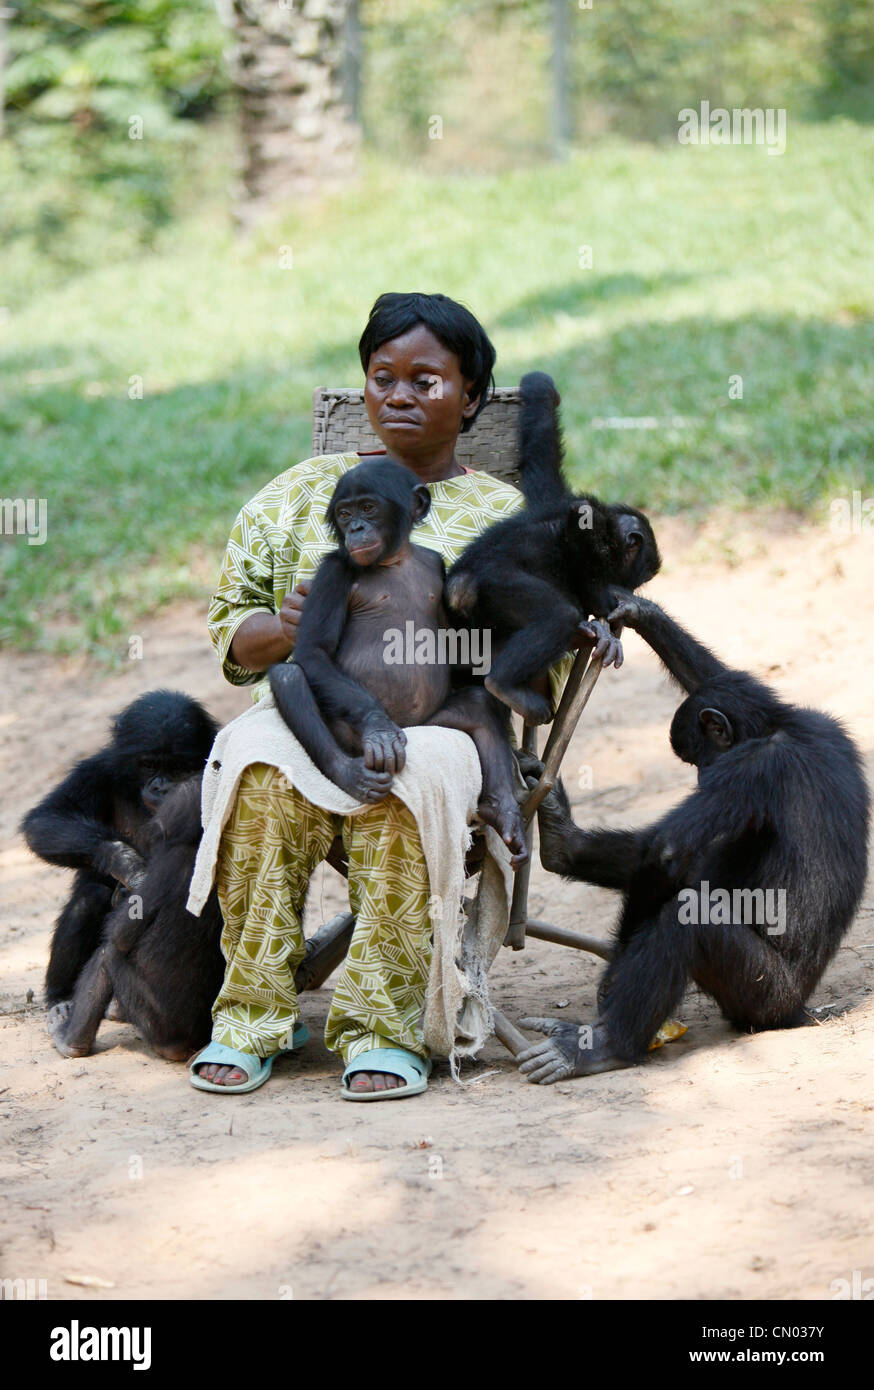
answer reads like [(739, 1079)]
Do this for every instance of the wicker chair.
[(340, 425)]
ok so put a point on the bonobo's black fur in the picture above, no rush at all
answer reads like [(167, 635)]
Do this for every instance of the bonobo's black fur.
[(344, 696), (96, 820), (534, 578), (161, 966), (781, 806)]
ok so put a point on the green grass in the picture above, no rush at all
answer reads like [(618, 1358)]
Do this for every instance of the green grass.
[(708, 263)]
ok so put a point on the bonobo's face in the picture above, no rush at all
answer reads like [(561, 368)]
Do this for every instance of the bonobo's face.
[(158, 780), (366, 524), (641, 559), (415, 395)]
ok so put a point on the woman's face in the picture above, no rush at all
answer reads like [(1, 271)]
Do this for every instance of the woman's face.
[(415, 394)]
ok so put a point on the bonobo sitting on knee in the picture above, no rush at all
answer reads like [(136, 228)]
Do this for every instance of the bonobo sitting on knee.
[(538, 579), (343, 697)]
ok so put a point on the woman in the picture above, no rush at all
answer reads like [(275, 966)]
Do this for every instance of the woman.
[(428, 367)]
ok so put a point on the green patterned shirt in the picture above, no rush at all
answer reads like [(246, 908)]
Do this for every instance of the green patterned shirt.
[(280, 537)]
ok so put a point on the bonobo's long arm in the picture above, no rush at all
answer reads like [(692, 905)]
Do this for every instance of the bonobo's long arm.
[(688, 661), (322, 621), (70, 827), (609, 858)]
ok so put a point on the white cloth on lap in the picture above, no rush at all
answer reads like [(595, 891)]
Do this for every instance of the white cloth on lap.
[(440, 784)]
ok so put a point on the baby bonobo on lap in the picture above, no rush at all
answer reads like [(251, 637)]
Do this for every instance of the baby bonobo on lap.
[(345, 696)]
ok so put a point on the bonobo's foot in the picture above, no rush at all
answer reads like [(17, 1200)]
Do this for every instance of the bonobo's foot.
[(57, 1023), (506, 818), (114, 1012), (383, 744), (534, 708), (604, 642), (570, 1049), (360, 781)]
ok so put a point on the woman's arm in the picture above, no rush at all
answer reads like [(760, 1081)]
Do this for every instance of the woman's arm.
[(265, 638)]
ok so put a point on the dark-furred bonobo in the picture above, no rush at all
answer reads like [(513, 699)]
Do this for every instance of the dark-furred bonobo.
[(163, 967), (746, 888), (534, 579), (346, 696), (97, 820)]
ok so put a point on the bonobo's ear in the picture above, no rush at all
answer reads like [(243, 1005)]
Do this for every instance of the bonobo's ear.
[(421, 503), (629, 530), (716, 727)]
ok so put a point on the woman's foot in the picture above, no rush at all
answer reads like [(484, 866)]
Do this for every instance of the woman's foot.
[(375, 1081), (222, 1076), (382, 1073), (361, 1081)]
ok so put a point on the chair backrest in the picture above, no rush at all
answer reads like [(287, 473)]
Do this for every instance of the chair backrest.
[(340, 425)]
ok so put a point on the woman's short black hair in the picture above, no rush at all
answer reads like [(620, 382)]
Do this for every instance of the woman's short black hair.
[(452, 325)]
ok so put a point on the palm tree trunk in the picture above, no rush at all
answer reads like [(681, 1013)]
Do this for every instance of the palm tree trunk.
[(287, 63)]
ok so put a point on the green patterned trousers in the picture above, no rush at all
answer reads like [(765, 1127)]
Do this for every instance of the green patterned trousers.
[(273, 841)]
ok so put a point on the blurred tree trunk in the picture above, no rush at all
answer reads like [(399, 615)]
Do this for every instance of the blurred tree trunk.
[(562, 124), (352, 60), (287, 64), (5, 13)]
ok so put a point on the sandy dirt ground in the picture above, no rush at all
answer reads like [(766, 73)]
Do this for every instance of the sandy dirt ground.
[(726, 1167)]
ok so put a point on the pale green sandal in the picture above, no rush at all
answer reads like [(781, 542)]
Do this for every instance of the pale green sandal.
[(257, 1069), (396, 1060)]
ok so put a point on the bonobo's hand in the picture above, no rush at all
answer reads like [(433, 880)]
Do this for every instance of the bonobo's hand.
[(570, 1049), (557, 829), (624, 609), (555, 805), (530, 766), (120, 861), (556, 802), (383, 744), (597, 634), (290, 612)]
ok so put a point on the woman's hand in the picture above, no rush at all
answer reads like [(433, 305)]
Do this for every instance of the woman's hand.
[(265, 638), (291, 610)]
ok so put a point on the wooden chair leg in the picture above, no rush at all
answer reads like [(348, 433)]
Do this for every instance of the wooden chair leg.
[(515, 937), (561, 936), (580, 684), (575, 697), (508, 1034)]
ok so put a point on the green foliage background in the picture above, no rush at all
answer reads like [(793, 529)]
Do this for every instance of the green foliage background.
[(118, 261)]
